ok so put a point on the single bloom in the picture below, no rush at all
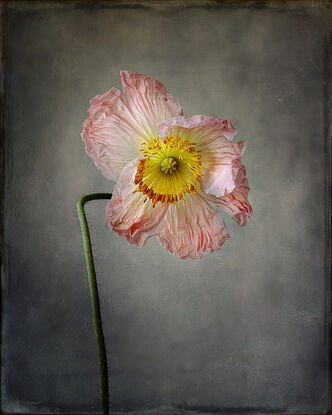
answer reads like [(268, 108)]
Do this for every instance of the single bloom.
[(171, 172)]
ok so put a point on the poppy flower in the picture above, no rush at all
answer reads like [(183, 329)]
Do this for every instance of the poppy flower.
[(171, 172)]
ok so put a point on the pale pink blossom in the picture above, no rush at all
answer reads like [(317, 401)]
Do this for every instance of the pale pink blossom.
[(171, 172)]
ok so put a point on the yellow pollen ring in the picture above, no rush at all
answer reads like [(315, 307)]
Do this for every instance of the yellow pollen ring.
[(171, 168), (168, 165)]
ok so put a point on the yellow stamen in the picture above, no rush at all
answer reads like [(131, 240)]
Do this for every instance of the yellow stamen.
[(171, 167)]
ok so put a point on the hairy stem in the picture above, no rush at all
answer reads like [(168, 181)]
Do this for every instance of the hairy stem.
[(95, 303)]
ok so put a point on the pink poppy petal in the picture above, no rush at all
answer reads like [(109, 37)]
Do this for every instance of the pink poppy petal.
[(236, 203), (148, 101), (119, 123), (111, 135), (221, 158), (192, 229), (221, 165), (128, 215), (214, 127)]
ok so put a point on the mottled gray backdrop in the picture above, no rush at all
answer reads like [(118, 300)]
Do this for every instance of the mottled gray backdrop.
[(244, 328)]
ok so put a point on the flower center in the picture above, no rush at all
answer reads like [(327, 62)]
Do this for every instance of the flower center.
[(171, 167), (168, 165)]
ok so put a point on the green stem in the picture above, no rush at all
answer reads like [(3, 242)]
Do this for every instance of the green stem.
[(95, 303)]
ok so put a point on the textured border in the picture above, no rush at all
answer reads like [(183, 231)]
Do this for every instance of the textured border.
[(294, 6)]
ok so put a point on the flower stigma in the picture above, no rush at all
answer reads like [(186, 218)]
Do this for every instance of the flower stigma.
[(171, 167), (168, 165)]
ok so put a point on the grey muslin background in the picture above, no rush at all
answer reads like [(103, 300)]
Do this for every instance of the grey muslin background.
[(243, 329)]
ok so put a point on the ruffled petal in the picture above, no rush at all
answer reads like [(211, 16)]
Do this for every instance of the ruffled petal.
[(192, 229), (236, 203), (111, 135), (119, 123), (221, 164), (149, 101), (217, 128), (128, 215), (221, 159)]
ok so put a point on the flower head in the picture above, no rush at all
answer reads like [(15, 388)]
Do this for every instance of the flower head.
[(172, 172)]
